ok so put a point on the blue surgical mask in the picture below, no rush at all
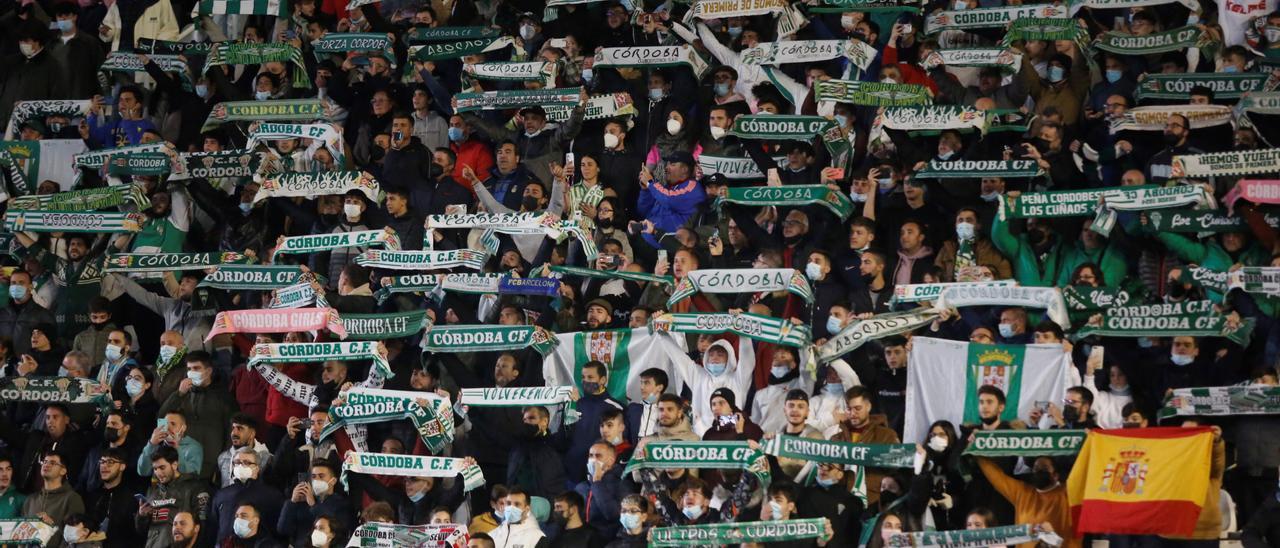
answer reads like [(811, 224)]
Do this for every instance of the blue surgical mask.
[(512, 515), (775, 509), (946, 155), (241, 528), (1057, 74), (1113, 76), (630, 522), (62, 372), (417, 496), (1145, 342), (262, 95), (196, 377), (656, 94), (779, 371), (1230, 69), (692, 512), (964, 231), (455, 134), (961, 5), (63, 25), (245, 208), (826, 482), (651, 399), (591, 468), (133, 387), (1006, 330), (167, 352), (114, 352), (990, 196), (842, 120), (1181, 359), (588, 75), (813, 270), (833, 389), (17, 292), (735, 31), (202, 90), (721, 89), (716, 369), (833, 325)]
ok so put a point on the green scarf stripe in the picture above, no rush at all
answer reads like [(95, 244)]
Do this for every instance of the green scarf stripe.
[(71, 221), (875, 455), (1160, 42), (1026, 443), (422, 260), (376, 327), (874, 94), (702, 455), (612, 274), (790, 195), (321, 352), (976, 169), (165, 262), (228, 53), (1008, 535), (278, 110), (1190, 319), (742, 280), (502, 100), (1222, 401), (233, 276), (753, 326), (83, 200), (488, 338), (1179, 86)]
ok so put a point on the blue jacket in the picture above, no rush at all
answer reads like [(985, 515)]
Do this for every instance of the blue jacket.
[(604, 501), (584, 433), (297, 519), (265, 498), (508, 189), (116, 132), (668, 207)]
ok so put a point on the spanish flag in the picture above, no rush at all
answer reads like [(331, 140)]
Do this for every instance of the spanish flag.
[(1148, 481)]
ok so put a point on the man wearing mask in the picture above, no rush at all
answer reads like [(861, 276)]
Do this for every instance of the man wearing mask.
[(875, 291), (537, 143), (250, 528), (78, 52), (55, 500), (93, 339), (1036, 254), (246, 488), (111, 499), (785, 376), (1064, 86), (172, 491), (116, 439), (117, 360), (828, 498), (991, 406), (177, 310), (207, 407), (171, 364), (1044, 499), (858, 425), (642, 415), (717, 141), (471, 153), (591, 402), (32, 74), (311, 500), (534, 464), (970, 248), (23, 314), (620, 161), (409, 164), (519, 527), (244, 430), (602, 490), (172, 433), (567, 526), (1177, 130)]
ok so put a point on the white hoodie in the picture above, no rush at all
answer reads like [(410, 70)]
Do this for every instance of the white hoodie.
[(737, 377), (525, 534)]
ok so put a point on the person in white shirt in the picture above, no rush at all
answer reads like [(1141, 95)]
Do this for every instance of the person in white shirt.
[(519, 528)]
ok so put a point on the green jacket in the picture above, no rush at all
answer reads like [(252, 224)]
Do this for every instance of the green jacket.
[(1110, 260), (1211, 255), (1027, 267), (11, 502)]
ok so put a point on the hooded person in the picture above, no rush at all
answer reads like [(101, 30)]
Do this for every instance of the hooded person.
[(722, 367), (785, 374)]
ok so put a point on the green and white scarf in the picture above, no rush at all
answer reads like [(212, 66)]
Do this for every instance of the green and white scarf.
[(151, 46), (1158, 42), (1146, 198), (312, 243), (1179, 86), (394, 535), (423, 260), (516, 397), (412, 466), (513, 71), (1212, 280), (298, 296), (599, 107), (275, 131), (344, 42), (732, 168), (445, 34), (612, 274), (753, 326), (876, 327), (83, 200), (874, 455), (513, 99), (1256, 103), (780, 127), (1008, 535), (63, 390), (701, 455), (218, 165), (144, 163), (1054, 203), (933, 118), (809, 51), (1184, 319), (1048, 298), (916, 293), (71, 221), (1194, 221), (16, 177), (171, 262), (1005, 59), (1045, 28), (123, 61), (1254, 399), (475, 284), (715, 534), (872, 94), (1223, 164), (367, 405), (507, 223), (26, 532), (719, 9), (95, 159), (1155, 118), (652, 57), (1026, 443), (488, 338), (318, 184), (321, 352), (1084, 301), (277, 110), (277, 8), (982, 18), (234, 53), (440, 51), (741, 280), (1256, 279), (39, 110), (977, 169), (791, 195), (394, 325), (231, 276)]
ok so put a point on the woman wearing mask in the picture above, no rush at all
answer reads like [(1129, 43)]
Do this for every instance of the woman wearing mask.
[(611, 223), (635, 517), (353, 219), (828, 398), (674, 138), (327, 532), (889, 523), (937, 489), (143, 404), (79, 532)]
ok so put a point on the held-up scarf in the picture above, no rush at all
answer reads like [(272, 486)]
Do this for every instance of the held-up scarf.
[(318, 184), (412, 466), (1179, 86), (875, 455), (1254, 190), (1220, 164), (367, 405), (444, 34), (734, 533), (1008, 535), (277, 110), (791, 195), (39, 110), (870, 6), (1026, 443), (976, 169), (1045, 28), (1185, 319), (980, 18), (488, 338), (297, 296), (1257, 103), (722, 455), (612, 274), (83, 200), (507, 223), (276, 131), (537, 287), (25, 532), (229, 53), (872, 94), (780, 127), (734, 169), (277, 321), (423, 260), (1158, 42), (933, 118), (1255, 399), (879, 326), (475, 284), (232, 276), (218, 165), (516, 397), (718, 9), (62, 390), (915, 293), (599, 107), (760, 328), (741, 280), (1125, 4), (122, 61), (321, 352), (16, 177), (71, 221), (277, 8), (1212, 280), (1054, 203), (151, 46), (1154, 118), (95, 159), (513, 71), (1084, 301), (312, 243), (1145, 198), (809, 51), (1005, 59), (166, 262), (1195, 221), (652, 57), (376, 327), (394, 535), (1256, 279), (144, 163), (1048, 298), (456, 50), (512, 99), (343, 42)]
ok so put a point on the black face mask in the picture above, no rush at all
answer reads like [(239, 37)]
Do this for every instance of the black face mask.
[(989, 420), (99, 326), (868, 278), (1177, 291), (887, 498), (1070, 414), (111, 434), (529, 203), (1040, 479), (329, 218)]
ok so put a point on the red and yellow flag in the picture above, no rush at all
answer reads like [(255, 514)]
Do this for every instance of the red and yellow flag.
[(1148, 481)]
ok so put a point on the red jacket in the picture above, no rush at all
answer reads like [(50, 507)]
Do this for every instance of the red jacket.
[(911, 72), (471, 153), (281, 407)]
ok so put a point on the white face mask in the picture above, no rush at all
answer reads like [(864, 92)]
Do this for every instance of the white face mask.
[(351, 210), (318, 538), (27, 49), (938, 443), (241, 472), (527, 31), (964, 231), (71, 533), (846, 20), (320, 488), (717, 132), (610, 140), (673, 126)]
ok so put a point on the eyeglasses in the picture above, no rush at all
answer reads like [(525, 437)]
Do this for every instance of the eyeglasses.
[(109, 461)]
